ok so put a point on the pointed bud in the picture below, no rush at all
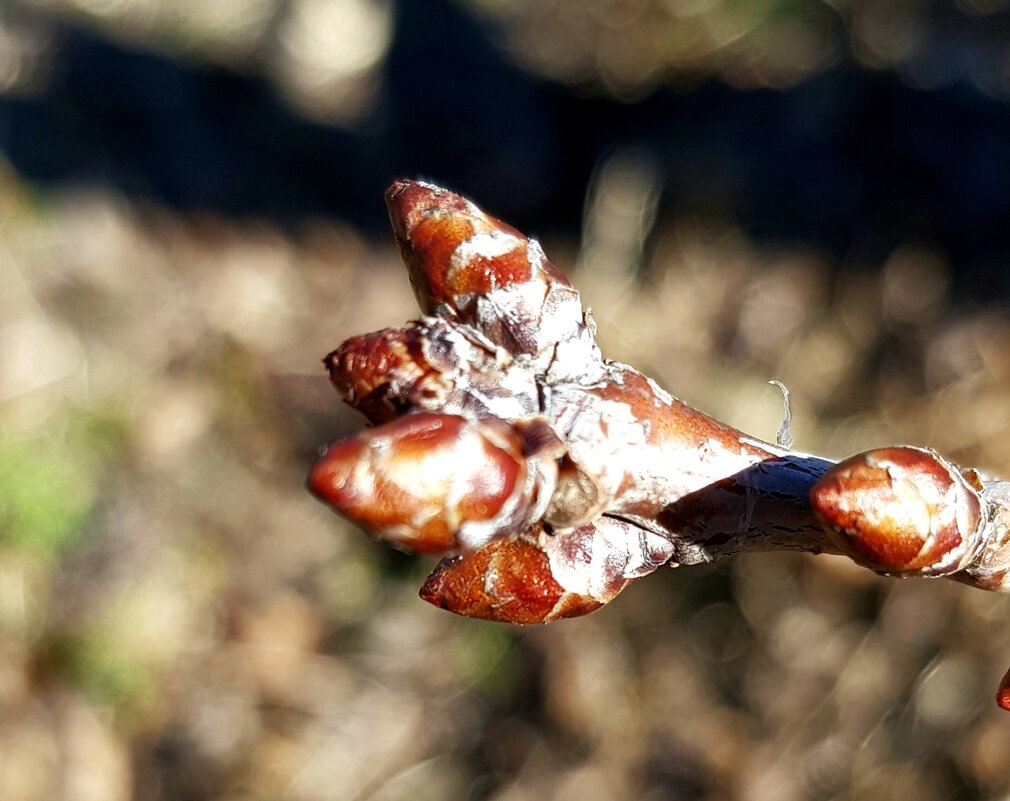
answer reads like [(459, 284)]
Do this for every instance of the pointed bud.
[(1003, 693), (539, 577), (900, 511), (490, 275), (434, 482), (452, 249), (509, 581)]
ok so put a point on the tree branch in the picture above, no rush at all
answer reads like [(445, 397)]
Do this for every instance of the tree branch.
[(550, 477)]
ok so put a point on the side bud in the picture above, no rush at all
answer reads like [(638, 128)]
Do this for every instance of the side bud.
[(487, 273), (376, 373), (434, 482), (538, 576), (509, 581), (1003, 692), (900, 511)]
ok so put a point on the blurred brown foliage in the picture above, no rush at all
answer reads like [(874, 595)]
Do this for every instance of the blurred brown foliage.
[(179, 620)]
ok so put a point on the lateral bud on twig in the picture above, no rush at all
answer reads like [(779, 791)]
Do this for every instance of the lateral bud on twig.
[(538, 576), (463, 262), (434, 482), (901, 511), (907, 511)]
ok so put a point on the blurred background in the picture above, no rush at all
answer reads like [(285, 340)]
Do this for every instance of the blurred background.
[(191, 216)]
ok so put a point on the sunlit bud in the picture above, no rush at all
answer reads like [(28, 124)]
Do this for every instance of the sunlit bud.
[(1003, 693), (507, 580), (899, 510), (598, 559), (452, 249), (434, 482), (540, 576)]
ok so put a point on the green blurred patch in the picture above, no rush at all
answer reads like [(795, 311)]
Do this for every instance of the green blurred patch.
[(349, 585), (108, 674), (49, 482), (104, 671), (118, 652), (765, 12), (485, 656)]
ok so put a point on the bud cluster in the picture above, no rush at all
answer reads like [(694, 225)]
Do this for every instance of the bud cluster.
[(549, 477)]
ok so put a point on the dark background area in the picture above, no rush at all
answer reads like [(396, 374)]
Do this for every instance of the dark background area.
[(851, 160)]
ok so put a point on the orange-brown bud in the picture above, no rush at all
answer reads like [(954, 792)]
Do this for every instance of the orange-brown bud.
[(1003, 693), (453, 249), (509, 581), (433, 482), (538, 577), (900, 511)]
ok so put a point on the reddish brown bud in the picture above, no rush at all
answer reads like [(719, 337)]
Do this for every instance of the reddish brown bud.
[(375, 372), (507, 580), (453, 249), (432, 365), (538, 577), (432, 482), (900, 510), (1003, 693)]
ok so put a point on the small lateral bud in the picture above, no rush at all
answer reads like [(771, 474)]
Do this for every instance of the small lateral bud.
[(434, 482), (374, 372), (452, 249), (1003, 693), (509, 581), (538, 576), (576, 499), (900, 511)]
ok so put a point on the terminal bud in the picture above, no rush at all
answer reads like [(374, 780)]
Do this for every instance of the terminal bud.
[(454, 250)]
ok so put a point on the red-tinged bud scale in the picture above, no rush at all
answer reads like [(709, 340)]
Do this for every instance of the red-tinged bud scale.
[(1003, 693), (375, 372), (433, 482), (508, 581), (453, 249), (538, 576), (487, 274), (900, 511)]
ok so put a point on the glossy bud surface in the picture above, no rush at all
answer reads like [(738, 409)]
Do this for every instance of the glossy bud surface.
[(452, 249), (1003, 693), (425, 480), (508, 581), (899, 510)]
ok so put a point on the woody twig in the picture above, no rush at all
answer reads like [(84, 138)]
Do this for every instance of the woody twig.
[(550, 477)]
